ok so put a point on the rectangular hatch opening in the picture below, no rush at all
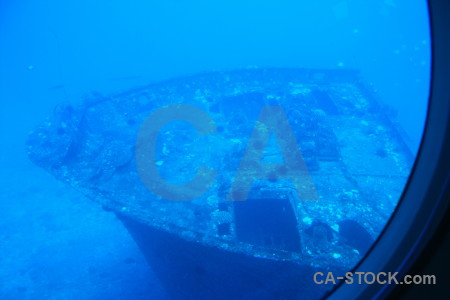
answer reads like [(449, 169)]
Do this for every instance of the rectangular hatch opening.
[(267, 222)]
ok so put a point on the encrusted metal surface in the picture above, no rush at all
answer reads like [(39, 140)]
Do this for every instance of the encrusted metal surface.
[(354, 155)]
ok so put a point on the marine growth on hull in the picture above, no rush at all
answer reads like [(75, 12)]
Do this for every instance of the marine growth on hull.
[(325, 212)]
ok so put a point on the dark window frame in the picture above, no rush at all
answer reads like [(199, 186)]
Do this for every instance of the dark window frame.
[(425, 202)]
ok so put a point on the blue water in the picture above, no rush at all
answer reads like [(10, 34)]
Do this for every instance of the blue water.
[(55, 243)]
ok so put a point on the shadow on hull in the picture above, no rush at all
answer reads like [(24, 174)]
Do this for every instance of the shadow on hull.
[(191, 270)]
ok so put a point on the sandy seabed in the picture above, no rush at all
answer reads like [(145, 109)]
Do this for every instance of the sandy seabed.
[(57, 244)]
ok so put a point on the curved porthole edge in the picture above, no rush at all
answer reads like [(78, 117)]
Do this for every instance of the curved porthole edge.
[(423, 206)]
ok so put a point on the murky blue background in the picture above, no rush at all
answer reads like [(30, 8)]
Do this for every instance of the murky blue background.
[(56, 244)]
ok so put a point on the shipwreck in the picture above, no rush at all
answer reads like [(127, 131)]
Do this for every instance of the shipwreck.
[(244, 231)]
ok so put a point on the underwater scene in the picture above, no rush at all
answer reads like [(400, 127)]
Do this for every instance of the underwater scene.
[(199, 150)]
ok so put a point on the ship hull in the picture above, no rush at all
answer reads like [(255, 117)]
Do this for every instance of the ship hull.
[(192, 270)]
